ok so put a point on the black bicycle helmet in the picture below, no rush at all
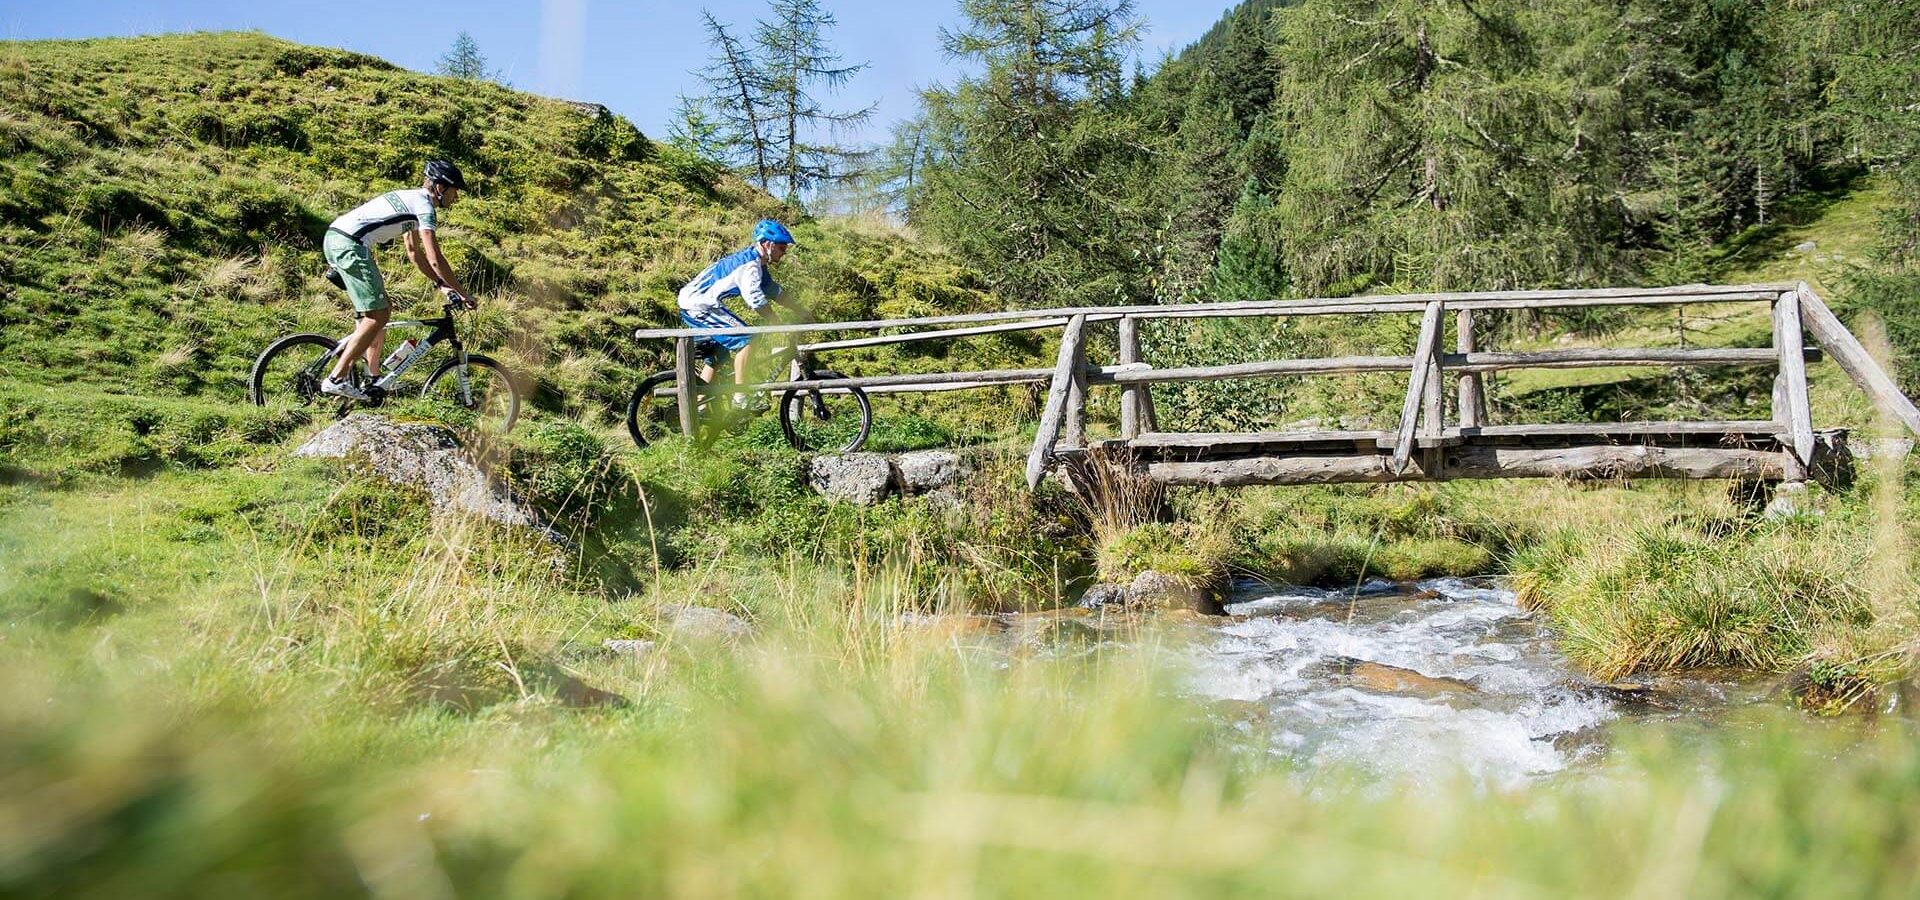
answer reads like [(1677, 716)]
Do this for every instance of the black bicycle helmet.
[(446, 173)]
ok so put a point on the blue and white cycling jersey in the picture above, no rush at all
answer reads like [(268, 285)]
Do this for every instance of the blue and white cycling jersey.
[(735, 275)]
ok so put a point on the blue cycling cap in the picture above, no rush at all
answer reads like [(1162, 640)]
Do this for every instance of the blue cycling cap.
[(769, 230)]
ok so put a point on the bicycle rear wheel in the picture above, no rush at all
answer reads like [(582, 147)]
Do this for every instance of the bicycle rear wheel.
[(833, 420), (489, 391), (289, 372)]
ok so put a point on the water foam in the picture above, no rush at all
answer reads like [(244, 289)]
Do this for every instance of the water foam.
[(1292, 652)]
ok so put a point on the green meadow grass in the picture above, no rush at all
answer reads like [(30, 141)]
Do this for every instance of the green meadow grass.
[(230, 683)]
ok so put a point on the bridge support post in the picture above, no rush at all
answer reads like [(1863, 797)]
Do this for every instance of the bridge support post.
[(1074, 430), (1795, 415), (683, 381), (1072, 357), (1473, 402), (1423, 369), (1131, 407)]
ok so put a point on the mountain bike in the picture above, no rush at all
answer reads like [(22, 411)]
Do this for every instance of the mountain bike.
[(828, 419), (290, 370)]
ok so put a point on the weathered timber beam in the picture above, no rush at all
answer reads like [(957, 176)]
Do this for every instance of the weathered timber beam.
[(1788, 341), (1348, 365), (1129, 352), (1417, 384), (888, 339), (684, 383), (1281, 470), (1404, 303), (1136, 373), (1594, 462), (1753, 294), (1433, 412), (1050, 419), (1606, 358), (1855, 360), (912, 382), (1473, 402)]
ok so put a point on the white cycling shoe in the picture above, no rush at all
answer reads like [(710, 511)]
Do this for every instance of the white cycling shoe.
[(345, 389)]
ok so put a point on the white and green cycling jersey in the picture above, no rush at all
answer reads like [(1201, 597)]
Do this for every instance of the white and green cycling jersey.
[(387, 216)]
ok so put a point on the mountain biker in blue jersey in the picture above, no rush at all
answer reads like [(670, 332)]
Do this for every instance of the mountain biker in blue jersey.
[(746, 275), (349, 250)]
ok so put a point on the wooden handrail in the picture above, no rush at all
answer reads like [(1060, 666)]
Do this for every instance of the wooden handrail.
[(1403, 303)]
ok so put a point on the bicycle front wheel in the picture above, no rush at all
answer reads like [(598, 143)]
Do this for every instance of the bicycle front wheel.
[(832, 420), (288, 373), (481, 386)]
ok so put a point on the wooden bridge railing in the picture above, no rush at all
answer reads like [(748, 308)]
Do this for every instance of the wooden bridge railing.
[(1423, 422)]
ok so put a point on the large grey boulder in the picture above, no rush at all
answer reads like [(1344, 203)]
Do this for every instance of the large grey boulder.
[(926, 470), (703, 624), (1104, 595), (859, 478), (1160, 590), (428, 457)]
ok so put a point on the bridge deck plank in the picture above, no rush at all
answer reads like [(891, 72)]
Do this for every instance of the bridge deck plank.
[(1736, 431)]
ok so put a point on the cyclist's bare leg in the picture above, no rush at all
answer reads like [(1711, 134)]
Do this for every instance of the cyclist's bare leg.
[(366, 334), (374, 356), (740, 365)]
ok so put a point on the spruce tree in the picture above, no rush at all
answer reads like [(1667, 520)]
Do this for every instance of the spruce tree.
[(1250, 266)]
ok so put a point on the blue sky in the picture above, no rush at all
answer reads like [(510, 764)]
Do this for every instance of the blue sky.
[(633, 56)]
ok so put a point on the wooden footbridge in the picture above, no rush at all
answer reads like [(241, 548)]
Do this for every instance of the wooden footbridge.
[(1431, 442)]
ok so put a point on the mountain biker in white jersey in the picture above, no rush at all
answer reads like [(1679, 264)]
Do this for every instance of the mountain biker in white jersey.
[(349, 249), (744, 274)]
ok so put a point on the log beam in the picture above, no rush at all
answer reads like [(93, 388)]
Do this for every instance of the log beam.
[(1788, 340), (1050, 419), (683, 380), (1589, 462), (1417, 384), (1855, 360), (1473, 403)]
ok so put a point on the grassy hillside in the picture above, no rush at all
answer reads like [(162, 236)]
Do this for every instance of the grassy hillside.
[(162, 201)]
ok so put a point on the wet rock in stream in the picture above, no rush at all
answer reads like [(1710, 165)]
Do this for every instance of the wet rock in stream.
[(1388, 679)]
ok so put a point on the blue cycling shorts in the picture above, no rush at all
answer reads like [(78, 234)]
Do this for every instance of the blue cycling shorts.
[(716, 317)]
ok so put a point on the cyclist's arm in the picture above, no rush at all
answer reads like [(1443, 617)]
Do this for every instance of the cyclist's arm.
[(435, 264), (418, 259)]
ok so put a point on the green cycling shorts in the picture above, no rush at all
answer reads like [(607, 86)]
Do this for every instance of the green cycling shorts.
[(354, 261)]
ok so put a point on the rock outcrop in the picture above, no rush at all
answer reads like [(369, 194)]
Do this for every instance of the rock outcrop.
[(862, 479), (868, 478), (428, 457), (1152, 590), (703, 624)]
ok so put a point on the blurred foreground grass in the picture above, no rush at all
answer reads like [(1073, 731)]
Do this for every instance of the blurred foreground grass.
[(225, 683)]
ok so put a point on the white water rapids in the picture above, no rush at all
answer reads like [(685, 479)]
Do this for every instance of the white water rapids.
[(1498, 703)]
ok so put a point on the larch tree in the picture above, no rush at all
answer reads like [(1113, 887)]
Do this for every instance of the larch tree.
[(730, 122), (463, 60), (1446, 144), (797, 63), (1033, 162)]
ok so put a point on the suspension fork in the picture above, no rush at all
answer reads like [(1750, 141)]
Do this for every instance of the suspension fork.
[(460, 372), (803, 371)]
